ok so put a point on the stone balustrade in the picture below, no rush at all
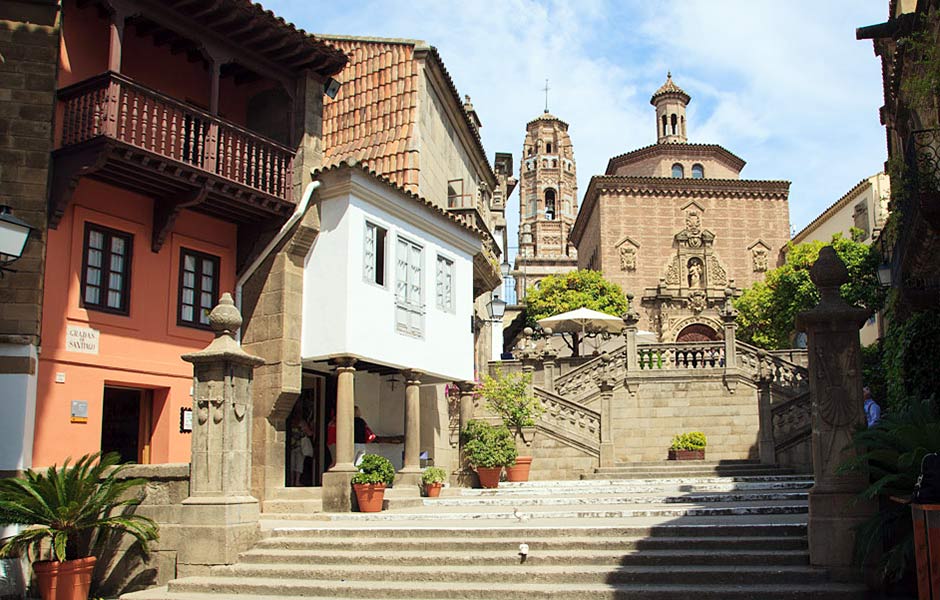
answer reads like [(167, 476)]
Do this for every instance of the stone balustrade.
[(690, 355), (579, 424)]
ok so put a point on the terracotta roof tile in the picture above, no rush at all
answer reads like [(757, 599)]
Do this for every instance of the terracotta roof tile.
[(669, 88)]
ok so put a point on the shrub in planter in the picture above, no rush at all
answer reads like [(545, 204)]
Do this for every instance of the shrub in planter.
[(71, 507), (508, 395), (688, 446), (375, 474), (433, 479), (490, 448)]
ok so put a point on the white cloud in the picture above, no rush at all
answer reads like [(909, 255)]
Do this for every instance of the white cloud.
[(782, 84)]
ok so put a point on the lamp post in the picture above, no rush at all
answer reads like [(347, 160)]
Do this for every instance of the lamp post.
[(13, 235), (496, 308)]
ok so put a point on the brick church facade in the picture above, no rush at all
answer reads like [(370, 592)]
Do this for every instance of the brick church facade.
[(675, 225)]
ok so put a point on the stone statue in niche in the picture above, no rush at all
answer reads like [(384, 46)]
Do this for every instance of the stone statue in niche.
[(759, 256), (627, 258), (695, 273)]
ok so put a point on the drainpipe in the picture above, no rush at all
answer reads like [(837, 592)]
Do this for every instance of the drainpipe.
[(288, 225)]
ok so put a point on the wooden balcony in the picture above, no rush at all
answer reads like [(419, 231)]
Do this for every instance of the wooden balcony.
[(118, 131)]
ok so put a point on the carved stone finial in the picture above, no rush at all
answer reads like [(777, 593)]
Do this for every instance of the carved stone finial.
[(548, 330), (828, 273), (225, 318), (528, 331)]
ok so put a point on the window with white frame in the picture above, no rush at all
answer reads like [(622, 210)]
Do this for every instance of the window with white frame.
[(409, 297), (445, 283), (373, 268)]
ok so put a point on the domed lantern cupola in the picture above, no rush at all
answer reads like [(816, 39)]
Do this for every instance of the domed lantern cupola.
[(670, 102)]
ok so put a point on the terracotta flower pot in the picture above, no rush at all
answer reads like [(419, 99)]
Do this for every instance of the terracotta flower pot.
[(686, 455), (489, 476), (65, 580), (520, 471), (433, 490), (369, 496)]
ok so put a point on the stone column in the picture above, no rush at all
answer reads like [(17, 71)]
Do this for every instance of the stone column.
[(337, 482), (410, 473), (765, 440), (835, 386), (630, 320), (220, 516), (549, 367), (607, 419), (729, 317)]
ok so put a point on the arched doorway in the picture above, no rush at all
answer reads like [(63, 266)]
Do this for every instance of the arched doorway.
[(697, 332)]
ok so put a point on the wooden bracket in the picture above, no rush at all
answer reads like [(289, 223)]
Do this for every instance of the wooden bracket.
[(166, 211)]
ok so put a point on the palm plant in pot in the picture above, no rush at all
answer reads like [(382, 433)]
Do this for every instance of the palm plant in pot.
[(509, 396), (488, 448), (375, 474), (433, 479), (70, 508)]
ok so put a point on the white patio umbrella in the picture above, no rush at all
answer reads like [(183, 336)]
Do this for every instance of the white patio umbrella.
[(581, 321)]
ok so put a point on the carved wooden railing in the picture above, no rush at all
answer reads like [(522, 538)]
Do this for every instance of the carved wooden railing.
[(114, 106), (792, 421), (570, 422)]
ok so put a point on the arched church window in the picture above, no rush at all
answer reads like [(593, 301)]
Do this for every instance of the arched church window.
[(698, 171), (550, 204), (548, 147), (677, 171), (675, 121), (665, 131)]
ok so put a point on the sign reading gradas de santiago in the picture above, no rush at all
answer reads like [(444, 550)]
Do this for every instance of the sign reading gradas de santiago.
[(81, 339)]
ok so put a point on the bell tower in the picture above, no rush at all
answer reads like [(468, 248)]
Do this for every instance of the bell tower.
[(670, 102), (548, 202)]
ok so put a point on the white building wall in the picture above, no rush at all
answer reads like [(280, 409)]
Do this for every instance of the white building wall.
[(344, 315), (18, 414)]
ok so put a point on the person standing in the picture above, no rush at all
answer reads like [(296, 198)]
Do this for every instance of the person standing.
[(362, 435), (872, 410)]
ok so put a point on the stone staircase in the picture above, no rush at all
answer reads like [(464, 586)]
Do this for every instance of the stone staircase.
[(639, 532)]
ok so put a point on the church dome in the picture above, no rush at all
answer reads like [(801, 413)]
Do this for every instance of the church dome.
[(669, 88)]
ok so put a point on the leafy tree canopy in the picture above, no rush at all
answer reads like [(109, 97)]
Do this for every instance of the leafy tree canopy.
[(583, 288), (767, 310)]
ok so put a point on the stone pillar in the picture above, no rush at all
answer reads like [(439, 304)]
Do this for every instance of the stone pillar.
[(765, 440), (410, 473), (337, 482), (630, 320), (465, 475), (607, 435), (549, 367), (835, 386), (220, 516), (729, 317)]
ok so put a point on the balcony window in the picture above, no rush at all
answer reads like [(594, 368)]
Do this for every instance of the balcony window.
[(409, 295), (106, 269), (445, 284), (373, 269), (198, 287)]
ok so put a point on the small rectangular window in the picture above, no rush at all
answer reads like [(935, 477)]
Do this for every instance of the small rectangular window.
[(445, 284), (409, 295), (106, 269), (198, 288), (373, 269)]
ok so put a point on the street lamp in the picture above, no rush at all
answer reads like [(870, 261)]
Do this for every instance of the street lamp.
[(884, 275), (496, 308), (13, 235)]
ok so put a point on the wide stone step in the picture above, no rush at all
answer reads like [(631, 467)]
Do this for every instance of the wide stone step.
[(293, 506), (507, 554), (511, 540), (636, 498), (593, 479), (487, 588), (644, 473), (638, 486), (582, 532), (572, 573), (615, 511)]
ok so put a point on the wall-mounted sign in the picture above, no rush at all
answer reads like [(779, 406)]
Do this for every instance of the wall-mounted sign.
[(186, 420), (79, 411), (81, 339)]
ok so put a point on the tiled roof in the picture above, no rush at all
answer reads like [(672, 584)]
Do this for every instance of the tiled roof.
[(364, 168), (837, 205), (669, 88), (373, 118), (546, 116), (713, 150)]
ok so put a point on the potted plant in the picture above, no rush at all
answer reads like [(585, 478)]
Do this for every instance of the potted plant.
[(433, 479), (509, 396), (688, 446), (488, 448), (70, 507), (375, 474)]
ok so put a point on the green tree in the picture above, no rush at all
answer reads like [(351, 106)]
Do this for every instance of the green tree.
[(556, 294), (767, 310)]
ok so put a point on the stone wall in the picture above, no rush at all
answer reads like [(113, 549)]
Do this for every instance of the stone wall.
[(27, 99), (554, 459)]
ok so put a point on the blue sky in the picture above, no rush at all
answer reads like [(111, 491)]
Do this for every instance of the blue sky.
[(784, 85)]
